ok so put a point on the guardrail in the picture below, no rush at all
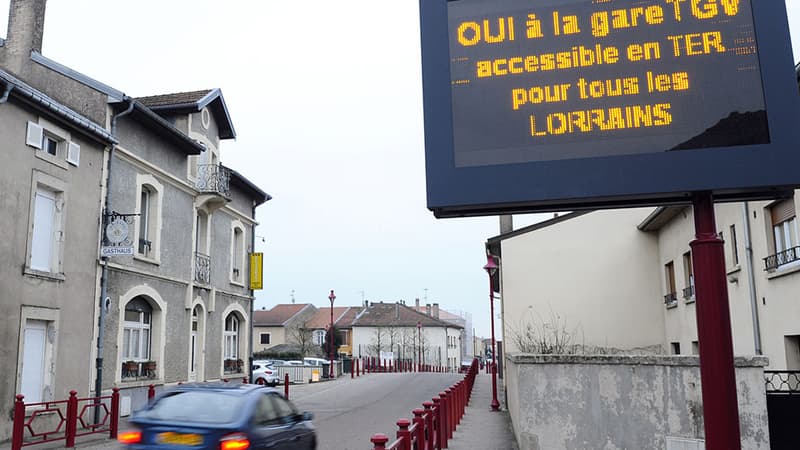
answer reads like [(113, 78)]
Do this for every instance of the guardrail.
[(64, 416), (434, 424)]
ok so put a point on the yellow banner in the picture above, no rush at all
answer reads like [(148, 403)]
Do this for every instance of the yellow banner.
[(256, 270)]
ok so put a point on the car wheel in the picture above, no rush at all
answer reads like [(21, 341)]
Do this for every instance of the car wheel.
[(260, 381)]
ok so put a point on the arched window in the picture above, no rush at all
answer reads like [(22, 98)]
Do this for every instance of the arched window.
[(231, 336), (136, 330)]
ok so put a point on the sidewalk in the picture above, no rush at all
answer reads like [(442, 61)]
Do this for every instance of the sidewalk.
[(481, 428)]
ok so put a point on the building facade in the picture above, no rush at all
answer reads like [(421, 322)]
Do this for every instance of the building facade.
[(396, 329), (94, 171), (283, 324)]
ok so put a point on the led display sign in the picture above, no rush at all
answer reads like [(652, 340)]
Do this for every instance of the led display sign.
[(544, 105)]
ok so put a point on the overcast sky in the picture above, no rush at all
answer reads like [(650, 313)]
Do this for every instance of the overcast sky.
[(326, 99)]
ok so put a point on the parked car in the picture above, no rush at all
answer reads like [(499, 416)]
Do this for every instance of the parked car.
[(265, 374), (315, 361), (294, 363), (220, 416)]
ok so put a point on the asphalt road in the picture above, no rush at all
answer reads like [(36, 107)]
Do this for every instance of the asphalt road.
[(348, 412)]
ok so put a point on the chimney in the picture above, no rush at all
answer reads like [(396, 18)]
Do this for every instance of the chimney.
[(506, 224), (366, 303), (417, 303), (397, 311), (25, 31), (435, 310), (428, 309)]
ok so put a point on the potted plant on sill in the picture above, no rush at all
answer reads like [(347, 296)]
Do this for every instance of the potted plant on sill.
[(239, 365), (130, 369), (230, 365)]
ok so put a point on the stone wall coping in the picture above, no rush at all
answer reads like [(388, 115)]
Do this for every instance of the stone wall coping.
[(639, 360)]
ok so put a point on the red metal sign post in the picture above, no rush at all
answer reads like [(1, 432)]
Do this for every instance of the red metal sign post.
[(720, 407)]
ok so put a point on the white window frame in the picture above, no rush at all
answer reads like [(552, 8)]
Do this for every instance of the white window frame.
[(144, 333), (157, 330), (153, 216), (318, 337), (231, 337), (48, 185), (237, 254), (67, 151)]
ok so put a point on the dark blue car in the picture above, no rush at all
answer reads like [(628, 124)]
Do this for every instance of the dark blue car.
[(220, 417)]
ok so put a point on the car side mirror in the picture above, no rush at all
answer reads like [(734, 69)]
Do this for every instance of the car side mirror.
[(307, 416)]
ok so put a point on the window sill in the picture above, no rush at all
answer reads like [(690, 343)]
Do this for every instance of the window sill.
[(689, 300), (142, 258), (139, 382), (44, 275), (54, 160), (237, 283), (671, 305), (783, 270), (734, 269)]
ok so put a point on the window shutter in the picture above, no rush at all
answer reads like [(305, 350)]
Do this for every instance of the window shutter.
[(74, 154), (34, 135), (782, 211)]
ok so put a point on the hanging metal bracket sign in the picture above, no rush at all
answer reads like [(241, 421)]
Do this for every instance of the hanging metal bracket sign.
[(117, 234)]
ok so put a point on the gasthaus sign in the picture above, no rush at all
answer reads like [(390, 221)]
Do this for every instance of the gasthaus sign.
[(565, 104)]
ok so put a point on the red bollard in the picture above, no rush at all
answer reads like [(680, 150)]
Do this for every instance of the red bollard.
[(358, 374), (384, 366), (151, 393), (352, 368), (72, 418), (286, 386), (379, 440), (19, 423), (404, 434), (419, 421), (114, 426), (441, 429), (244, 380)]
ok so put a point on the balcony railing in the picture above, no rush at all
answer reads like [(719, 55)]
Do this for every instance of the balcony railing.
[(671, 299), (688, 292), (772, 262), (202, 268), (213, 179), (782, 381)]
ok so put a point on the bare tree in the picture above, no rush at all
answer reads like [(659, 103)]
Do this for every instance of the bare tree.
[(298, 333), (534, 334), (378, 341)]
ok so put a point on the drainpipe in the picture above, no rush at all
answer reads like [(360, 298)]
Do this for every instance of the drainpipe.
[(252, 296), (751, 279), (98, 387), (7, 91)]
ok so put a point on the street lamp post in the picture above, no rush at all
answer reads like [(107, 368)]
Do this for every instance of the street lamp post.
[(491, 268), (331, 336)]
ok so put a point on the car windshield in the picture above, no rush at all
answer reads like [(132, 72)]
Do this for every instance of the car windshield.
[(196, 406)]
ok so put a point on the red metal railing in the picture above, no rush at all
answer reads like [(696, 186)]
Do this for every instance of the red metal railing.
[(434, 425), (67, 415)]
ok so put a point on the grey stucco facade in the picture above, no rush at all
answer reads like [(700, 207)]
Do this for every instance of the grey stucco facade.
[(46, 314)]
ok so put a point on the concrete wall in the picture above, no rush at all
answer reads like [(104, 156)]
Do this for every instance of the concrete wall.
[(596, 273), (622, 402)]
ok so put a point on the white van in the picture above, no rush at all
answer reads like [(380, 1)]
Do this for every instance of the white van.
[(315, 361)]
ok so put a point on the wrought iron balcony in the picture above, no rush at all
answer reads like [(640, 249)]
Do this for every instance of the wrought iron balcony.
[(671, 299), (688, 292), (202, 268), (213, 179), (772, 262)]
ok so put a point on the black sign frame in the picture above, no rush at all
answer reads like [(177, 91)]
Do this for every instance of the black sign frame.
[(731, 173)]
